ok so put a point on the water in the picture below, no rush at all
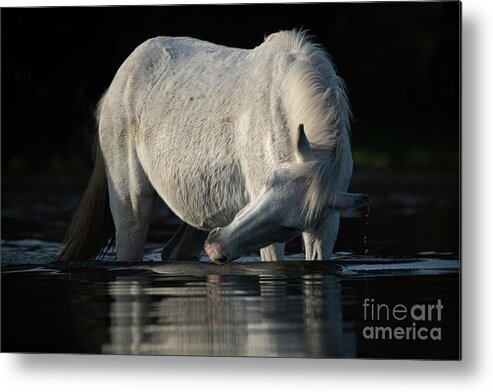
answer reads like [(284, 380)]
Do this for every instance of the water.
[(247, 308)]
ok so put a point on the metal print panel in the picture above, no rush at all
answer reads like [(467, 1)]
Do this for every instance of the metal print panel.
[(276, 180)]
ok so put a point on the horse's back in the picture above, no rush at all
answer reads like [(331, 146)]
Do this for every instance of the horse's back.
[(170, 78)]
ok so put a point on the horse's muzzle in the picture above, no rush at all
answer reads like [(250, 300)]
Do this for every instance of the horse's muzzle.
[(215, 254), (213, 249)]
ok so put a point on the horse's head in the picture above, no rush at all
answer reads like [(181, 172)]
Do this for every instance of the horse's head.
[(281, 211)]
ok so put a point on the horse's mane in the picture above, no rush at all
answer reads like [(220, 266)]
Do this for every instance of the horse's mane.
[(314, 95)]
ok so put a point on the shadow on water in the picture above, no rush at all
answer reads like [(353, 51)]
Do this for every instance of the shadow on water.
[(248, 308)]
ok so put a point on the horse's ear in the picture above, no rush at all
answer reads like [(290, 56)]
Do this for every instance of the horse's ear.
[(305, 153)]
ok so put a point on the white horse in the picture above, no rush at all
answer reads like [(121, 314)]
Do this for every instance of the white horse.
[(249, 145)]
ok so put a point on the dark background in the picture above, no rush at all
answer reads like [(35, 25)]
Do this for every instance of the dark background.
[(400, 61)]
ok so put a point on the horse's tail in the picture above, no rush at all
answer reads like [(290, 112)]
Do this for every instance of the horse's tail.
[(92, 226)]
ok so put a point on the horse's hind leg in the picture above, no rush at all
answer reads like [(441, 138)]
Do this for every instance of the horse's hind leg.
[(131, 200), (319, 242), (185, 245), (273, 252), (131, 209)]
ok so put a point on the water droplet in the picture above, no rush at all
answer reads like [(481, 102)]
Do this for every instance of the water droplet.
[(365, 237)]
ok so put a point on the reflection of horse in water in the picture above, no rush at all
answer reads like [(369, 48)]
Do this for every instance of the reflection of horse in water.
[(228, 315), (249, 145)]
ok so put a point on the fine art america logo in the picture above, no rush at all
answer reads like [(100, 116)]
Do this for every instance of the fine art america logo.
[(416, 322)]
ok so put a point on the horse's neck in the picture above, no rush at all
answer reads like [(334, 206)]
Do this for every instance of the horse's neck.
[(264, 142)]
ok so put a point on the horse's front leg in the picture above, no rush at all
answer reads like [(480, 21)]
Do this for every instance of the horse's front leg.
[(319, 241), (274, 252), (185, 245)]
